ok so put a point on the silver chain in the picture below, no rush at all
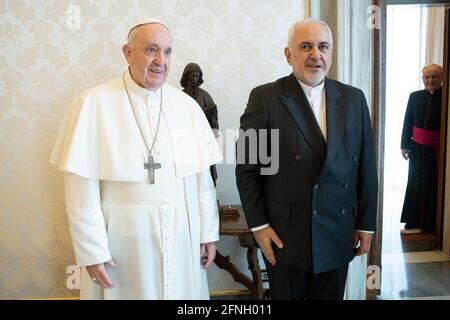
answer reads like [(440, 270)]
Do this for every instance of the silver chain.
[(137, 122)]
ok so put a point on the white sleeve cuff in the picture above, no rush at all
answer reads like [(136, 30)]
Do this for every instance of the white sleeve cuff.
[(260, 227), (365, 231)]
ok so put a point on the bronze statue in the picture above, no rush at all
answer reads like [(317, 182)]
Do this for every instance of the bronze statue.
[(191, 80)]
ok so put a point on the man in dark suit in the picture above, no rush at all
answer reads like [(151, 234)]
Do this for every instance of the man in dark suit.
[(319, 210)]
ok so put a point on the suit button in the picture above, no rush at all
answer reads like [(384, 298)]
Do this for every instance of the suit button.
[(298, 157), (342, 211), (315, 212), (355, 158), (345, 185), (316, 186)]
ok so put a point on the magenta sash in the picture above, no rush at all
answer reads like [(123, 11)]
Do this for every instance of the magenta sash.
[(428, 138)]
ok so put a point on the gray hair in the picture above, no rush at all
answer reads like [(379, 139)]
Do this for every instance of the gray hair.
[(434, 66), (305, 22)]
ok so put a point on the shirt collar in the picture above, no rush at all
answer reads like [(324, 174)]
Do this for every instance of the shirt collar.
[(312, 92)]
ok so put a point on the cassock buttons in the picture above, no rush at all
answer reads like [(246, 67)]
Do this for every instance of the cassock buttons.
[(343, 211), (298, 157), (316, 186), (345, 185), (315, 213)]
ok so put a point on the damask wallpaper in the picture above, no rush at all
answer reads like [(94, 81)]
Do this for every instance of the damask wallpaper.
[(53, 50)]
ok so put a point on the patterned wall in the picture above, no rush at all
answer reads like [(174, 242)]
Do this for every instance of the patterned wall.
[(52, 50)]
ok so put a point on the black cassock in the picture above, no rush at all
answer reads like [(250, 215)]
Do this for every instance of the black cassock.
[(421, 136)]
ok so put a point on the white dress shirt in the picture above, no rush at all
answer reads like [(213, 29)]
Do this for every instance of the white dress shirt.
[(317, 101)]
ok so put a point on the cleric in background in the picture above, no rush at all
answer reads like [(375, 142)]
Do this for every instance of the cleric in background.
[(420, 145)]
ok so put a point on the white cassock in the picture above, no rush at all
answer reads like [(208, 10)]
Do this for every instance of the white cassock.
[(152, 231)]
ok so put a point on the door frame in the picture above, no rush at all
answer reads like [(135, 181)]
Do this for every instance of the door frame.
[(444, 134)]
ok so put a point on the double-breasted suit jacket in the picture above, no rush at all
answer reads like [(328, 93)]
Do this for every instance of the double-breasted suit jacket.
[(322, 191)]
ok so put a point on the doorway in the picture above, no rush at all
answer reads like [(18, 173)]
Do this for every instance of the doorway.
[(400, 52), (411, 45)]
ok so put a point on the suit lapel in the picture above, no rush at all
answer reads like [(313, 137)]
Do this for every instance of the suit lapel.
[(297, 105)]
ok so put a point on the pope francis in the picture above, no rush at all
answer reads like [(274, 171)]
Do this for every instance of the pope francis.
[(141, 204)]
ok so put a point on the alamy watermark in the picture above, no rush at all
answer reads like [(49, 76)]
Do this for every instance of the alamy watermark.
[(258, 147), (74, 277), (374, 19), (73, 14), (73, 21), (373, 280), (252, 146)]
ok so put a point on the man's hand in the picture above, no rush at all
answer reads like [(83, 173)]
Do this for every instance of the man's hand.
[(364, 239), (210, 250), (405, 154), (99, 275), (264, 238)]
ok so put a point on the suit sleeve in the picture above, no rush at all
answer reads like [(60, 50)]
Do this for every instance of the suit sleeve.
[(248, 178), (407, 125), (367, 181)]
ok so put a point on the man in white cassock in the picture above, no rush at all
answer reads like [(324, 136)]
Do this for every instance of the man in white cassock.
[(141, 203)]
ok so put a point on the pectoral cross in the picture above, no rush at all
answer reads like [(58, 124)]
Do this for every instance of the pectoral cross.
[(151, 165)]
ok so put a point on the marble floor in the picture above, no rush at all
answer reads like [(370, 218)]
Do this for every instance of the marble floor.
[(416, 275), (411, 267)]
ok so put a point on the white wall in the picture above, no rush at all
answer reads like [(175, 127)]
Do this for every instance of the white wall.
[(44, 64)]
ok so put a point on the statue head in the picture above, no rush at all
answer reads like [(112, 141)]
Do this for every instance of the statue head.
[(192, 76)]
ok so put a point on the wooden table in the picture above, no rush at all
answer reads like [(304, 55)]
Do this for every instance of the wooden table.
[(237, 227)]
